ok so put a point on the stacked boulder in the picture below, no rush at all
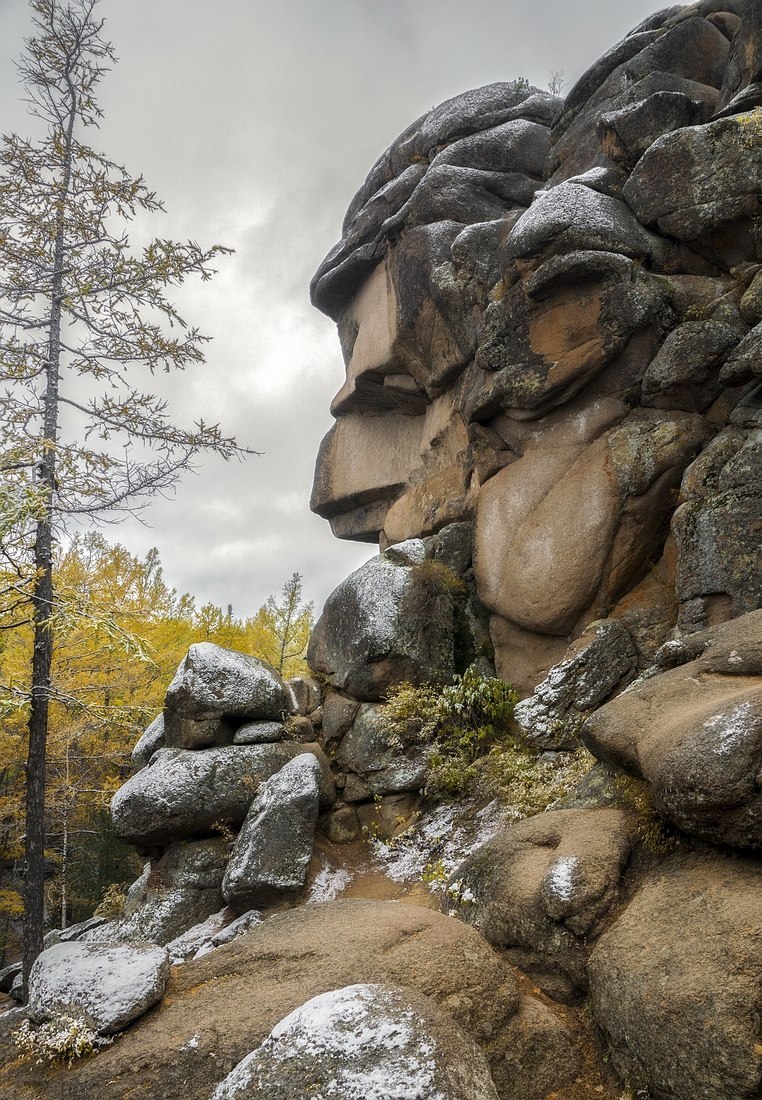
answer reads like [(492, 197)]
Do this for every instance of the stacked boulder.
[(409, 615), (224, 801)]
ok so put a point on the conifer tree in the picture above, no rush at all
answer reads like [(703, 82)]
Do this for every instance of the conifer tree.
[(81, 313)]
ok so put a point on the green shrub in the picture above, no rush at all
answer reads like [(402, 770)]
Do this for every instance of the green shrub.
[(461, 721)]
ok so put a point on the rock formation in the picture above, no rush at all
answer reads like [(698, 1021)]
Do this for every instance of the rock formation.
[(550, 313)]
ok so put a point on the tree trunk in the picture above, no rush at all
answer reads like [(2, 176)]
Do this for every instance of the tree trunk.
[(42, 599)]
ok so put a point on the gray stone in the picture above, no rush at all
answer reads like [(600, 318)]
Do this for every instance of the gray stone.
[(271, 855), (348, 1041), (212, 682), (376, 630), (601, 661), (307, 693), (222, 927), (257, 733), (685, 372), (628, 132), (195, 733), (185, 793), (174, 892), (383, 765), (148, 743), (694, 733), (106, 986), (676, 983), (697, 179), (8, 976), (745, 362), (571, 217)]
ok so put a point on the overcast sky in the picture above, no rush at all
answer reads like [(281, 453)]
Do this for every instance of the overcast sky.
[(256, 121)]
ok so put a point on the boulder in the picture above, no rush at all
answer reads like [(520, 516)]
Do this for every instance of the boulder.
[(212, 682), (187, 793), (540, 889), (307, 693), (363, 1041), (627, 133), (105, 986), (221, 927), (148, 743), (272, 852), (383, 765), (601, 661), (258, 733), (676, 983), (694, 733), (379, 628), (174, 892), (718, 531), (697, 179), (225, 1004), (685, 371)]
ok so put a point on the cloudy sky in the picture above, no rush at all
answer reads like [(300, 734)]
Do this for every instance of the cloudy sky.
[(256, 122)]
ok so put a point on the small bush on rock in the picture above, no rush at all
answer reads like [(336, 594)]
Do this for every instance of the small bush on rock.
[(654, 833), (462, 722), (113, 901), (62, 1039)]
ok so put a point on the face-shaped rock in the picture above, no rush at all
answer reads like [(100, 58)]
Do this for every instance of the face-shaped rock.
[(536, 301)]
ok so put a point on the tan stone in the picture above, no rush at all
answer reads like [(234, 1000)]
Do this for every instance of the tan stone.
[(365, 460), (523, 658), (432, 504)]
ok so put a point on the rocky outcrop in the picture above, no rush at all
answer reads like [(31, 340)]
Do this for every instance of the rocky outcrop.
[(540, 889), (676, 984), (549, 359), (345, 1042), (694, 733)]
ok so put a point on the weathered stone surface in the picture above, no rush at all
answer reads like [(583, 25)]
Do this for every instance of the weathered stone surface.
[(718, 531), (572, 217), (689, 56), (272, 852), (567, 530), (362, 1041), (212, 682), (676, 983), (685, 372), (261, 977), (104, 986), (174, 892), (694, 733), (221, 927), (603, 660), (306, 693), (147, 744), (339, 712), (696, 179), (257, 733), (540, 888), (744, 364), (376, 629), (627, 133), (382, 765), (184, 792)]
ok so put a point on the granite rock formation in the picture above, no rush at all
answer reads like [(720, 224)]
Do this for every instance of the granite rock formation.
[(550, 313)]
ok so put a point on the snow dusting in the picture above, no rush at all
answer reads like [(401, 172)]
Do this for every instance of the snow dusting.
[(362, 1041), (732, 728), (328, 884), (562, 877)]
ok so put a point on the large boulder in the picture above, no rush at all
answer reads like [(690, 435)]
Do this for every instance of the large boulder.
[(363, 1041), (380, 627), (212, 683), (540, 889), (105, 986), (174, 892), (694, 733), (676, 983), (185, 793), (382, 763), (602, 660), (272, 852)]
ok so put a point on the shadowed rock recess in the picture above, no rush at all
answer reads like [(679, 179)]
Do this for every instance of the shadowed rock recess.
[(550, 314)]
